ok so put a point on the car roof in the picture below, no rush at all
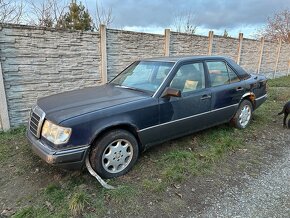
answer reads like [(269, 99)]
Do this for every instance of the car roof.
[(185, 58), (179, 59)]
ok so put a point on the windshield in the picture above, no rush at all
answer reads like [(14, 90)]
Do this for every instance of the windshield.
[(144, 75)]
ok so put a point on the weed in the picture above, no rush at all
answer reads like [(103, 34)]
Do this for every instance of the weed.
[(78, 202)]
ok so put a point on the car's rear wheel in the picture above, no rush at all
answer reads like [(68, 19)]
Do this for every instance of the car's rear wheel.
[(243, 115), (114, 154)]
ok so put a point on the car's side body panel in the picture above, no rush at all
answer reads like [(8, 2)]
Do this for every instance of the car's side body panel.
[(139, 115), (177, 117), (226, 98)]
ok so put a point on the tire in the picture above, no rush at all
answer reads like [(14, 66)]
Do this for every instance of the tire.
[(243, 115), (114, 154)]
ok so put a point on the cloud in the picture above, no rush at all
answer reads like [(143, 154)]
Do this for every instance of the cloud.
[(211, 14)]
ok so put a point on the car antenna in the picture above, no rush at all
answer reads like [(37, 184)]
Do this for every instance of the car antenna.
[(94, 174)]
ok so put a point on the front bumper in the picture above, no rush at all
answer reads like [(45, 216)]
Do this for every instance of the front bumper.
[(73, 158)]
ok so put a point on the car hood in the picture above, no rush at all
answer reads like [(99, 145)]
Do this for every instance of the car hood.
[(69, 104)]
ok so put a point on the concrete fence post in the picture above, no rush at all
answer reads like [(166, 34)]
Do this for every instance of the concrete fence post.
[(288, 67), (210, 42), (167, 42), (103, 48), (4, 116), (240, 48), (260, 55), (277, 59)]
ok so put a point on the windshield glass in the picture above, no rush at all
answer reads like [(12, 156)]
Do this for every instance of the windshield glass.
[(144, 75)]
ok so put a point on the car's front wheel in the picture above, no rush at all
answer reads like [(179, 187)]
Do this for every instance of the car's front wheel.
[(243, 115), (114, 154)]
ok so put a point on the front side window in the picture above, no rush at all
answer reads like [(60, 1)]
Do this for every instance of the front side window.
[(144, 75), (220, 73), (189, 77)]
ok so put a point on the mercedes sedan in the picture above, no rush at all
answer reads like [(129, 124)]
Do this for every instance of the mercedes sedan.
[(150, 102)]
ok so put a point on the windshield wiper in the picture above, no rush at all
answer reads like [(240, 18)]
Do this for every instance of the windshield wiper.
[(131, 88)]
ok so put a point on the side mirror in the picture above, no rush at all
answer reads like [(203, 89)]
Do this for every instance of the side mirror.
[(171, 92)]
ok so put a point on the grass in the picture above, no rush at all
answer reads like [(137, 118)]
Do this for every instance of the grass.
[(78, 202), (280, 82), (32, 211), (159, 169), (55, 194), (9, 142)]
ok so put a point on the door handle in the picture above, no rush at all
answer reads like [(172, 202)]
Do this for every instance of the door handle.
[(239, 89), (205, 97)]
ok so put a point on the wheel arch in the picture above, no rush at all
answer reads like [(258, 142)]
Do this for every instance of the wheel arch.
[(250, 96), (124, 126)]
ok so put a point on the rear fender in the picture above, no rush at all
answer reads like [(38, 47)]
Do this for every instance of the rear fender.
[(251, 97)]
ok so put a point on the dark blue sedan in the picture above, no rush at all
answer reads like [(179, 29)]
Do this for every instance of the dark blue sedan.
[(151, 101)]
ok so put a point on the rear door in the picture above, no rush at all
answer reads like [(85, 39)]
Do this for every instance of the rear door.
[(227, 90)]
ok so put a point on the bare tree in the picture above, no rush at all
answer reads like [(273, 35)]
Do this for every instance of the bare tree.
[(103, 16), (11, 11), (277, 27), (185, 23), (46, 13)]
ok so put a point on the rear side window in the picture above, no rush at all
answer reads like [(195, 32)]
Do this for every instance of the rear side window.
[(220, 73)]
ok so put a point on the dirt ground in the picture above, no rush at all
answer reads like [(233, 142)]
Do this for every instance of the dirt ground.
[(251, 180), (21, 182), (197, 195)]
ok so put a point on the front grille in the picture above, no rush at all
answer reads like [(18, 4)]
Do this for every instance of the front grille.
[(36, 120)]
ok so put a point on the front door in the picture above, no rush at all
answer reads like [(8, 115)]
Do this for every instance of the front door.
[(183, 115)]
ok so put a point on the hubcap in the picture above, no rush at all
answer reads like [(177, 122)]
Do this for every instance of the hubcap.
[(117, 156), (245, 116)]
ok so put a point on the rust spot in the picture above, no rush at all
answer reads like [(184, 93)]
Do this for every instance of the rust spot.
[(252, 98)]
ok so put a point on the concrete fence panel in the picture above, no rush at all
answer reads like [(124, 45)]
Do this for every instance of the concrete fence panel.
[(39, 62), (124, 47), (188, 44), (284, 60), (36, 62), (250, 55), (225, 46), (269, 58)]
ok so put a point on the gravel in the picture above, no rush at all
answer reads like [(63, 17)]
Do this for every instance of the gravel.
[(266, 195)]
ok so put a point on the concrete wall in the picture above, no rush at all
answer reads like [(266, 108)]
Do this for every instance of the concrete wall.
[(225, 46), (250, 55), (187, 44), (284, 59), (269, 57), (37, 62), (124, 47)]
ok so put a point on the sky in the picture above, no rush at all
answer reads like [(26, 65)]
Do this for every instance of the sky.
[(154, 16)]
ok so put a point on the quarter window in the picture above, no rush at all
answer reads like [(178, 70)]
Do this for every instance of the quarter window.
[(233, 76), (220, 73)]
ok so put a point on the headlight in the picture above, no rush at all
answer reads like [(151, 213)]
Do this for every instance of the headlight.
[(54, 133)]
